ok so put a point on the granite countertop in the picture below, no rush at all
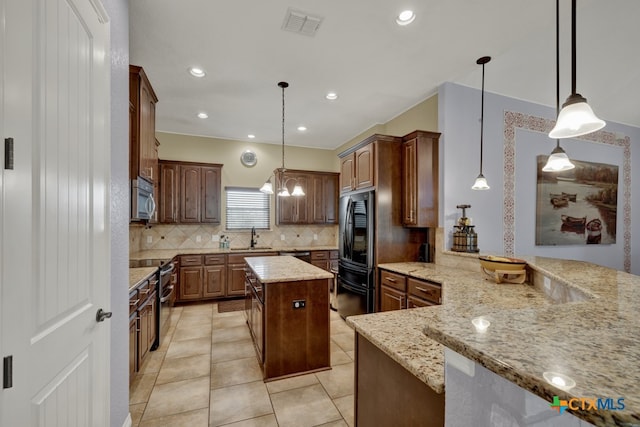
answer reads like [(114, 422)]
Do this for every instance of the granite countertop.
[(139, 275), (168, 254), (594, 341), (273, 269)]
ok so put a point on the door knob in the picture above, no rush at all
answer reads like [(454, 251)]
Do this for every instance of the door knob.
[(101, 315)]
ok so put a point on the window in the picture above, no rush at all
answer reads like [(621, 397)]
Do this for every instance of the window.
[(246, 208)]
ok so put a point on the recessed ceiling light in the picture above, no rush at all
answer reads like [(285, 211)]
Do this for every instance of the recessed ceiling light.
[(405, 17), (196, 72), (251, 136), (302, 128), (332, 96), (203, 115)]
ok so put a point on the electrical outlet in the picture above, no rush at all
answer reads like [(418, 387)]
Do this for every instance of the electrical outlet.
[(215, 238), (198, 239), (315, 237), (299, 303), (149, 239), (547, 283), (282, 237)]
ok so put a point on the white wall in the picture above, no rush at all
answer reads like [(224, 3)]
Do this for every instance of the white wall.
[(118, 11), (459, 122)]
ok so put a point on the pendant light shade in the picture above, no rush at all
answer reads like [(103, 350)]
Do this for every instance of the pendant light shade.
[(558, 161), (267, 187), (481, 181), (576, 118)]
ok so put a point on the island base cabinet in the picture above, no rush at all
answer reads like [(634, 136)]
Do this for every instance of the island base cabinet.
[(388, 395), (296, 340)]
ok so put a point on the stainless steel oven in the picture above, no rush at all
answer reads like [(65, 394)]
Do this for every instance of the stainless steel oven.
[(143, 206)]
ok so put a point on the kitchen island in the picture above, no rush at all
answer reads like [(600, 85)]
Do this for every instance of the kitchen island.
[(576, 319), (287, 306)]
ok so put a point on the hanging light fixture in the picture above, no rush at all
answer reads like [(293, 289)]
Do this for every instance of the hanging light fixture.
[(481, 181), (576, 117), (283, 191), (558, 161)]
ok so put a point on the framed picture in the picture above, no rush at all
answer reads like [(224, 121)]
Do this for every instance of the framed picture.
[(578, 206)]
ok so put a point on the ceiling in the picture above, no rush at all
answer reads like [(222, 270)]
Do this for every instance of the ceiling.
[(378, 69)]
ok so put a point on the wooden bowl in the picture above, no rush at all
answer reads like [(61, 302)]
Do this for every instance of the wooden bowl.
[(493, 263)]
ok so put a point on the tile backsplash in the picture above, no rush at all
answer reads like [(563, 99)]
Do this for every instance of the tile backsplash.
[(169, 236)]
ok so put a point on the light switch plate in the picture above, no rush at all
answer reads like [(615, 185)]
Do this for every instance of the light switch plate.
[(198, 238), (547, 283), (282, 237), (215, 238), (149, 239), (315, 237)]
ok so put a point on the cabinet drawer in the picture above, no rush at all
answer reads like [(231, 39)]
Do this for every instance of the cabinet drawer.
[(145, 289), (239, 258), (213, 259), (393, 280), (333, 255), (187, 260), (134, 301), (429, 291), (413, 302), (319, 255)]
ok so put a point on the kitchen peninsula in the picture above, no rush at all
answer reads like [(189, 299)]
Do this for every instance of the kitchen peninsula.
[(288, 314), (578, 321)]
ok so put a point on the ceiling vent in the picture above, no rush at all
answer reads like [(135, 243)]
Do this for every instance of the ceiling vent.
[(301, 22)]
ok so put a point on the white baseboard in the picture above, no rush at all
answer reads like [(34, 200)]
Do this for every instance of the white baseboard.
[(127, 421)]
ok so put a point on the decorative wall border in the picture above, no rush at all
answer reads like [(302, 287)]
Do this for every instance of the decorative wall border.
[(514, 120)]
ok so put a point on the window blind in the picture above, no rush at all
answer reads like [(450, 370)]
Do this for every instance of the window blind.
[(246, 208)]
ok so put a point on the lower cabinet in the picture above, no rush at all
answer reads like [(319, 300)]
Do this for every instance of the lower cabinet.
[(142, 323), (214, 276), (398, 291)]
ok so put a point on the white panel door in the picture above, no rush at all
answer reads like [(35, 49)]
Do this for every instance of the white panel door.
[(54, 212)]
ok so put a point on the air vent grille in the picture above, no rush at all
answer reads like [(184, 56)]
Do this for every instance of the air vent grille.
[(300, 22)]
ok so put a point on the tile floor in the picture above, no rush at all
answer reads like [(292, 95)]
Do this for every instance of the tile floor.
[(206, 374)]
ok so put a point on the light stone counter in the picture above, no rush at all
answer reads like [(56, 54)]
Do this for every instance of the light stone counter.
[(593, 340), (138, 275), (168, 254), (274, 269)]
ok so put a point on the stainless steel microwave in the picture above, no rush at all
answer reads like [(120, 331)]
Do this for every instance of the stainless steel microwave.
[(143, 206)]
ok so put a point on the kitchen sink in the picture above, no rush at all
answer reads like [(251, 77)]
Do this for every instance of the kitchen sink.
[(257, 248)]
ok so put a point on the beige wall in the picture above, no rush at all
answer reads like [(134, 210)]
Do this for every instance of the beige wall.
[(423, 116)]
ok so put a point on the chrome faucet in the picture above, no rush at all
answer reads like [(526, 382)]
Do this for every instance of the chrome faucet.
[(254, 238)]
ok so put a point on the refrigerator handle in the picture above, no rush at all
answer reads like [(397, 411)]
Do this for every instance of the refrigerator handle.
[(349, 229)]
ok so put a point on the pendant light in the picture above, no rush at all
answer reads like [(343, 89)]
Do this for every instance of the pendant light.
[(558, 161), (576, 117), (481, 181), (283, 191)]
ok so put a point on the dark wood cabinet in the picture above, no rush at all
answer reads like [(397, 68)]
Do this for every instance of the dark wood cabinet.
[(357, 169), (169, 198), (190, 192), (143, 158), (392, 299), (235, 284), (142, 322), (319, 205), (420, 179), (215, 280), (133, 345), (398, 291), (191, 274)]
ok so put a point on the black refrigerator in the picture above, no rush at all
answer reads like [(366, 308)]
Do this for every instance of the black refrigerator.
[(356, 287)]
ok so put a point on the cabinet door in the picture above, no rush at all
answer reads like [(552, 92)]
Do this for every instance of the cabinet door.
[(392, 299), (152, 314), (169, 193), (147, 130), (347, 172), (301, 202), (215, 281), (143, 333), (190, 183), (210, 195), (235, 281), (330, 198), (417, 302), (315, 196), (190, 283), (409, 181), (321, 264), (133, 345), (364, 167)]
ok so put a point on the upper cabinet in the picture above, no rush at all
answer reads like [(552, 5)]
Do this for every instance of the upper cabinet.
[(319, 205), (420, 179), (357, 169), (143, 152), (190, 192)]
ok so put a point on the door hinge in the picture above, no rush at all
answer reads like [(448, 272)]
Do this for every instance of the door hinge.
[(7, 372), (8, 153)]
